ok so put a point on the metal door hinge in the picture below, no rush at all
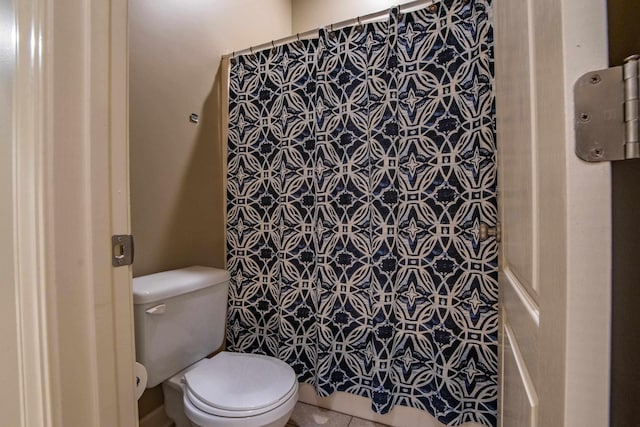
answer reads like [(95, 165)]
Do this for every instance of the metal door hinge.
[(121, 250), (606, 121)]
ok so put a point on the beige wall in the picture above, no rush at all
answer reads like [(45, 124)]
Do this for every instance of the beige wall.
[(177, 195), (176, 169), (9, 396), (310, 14)]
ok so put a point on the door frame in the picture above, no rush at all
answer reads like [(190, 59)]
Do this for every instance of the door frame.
[(71, 193), (589, 230)]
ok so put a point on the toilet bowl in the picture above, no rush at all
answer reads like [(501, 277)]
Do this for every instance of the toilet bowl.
[(232, 390)]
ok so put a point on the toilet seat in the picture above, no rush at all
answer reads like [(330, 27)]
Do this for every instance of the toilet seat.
[(212, 410), (236, 385)]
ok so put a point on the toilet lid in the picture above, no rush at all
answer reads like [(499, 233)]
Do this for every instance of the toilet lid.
[(240, 382)]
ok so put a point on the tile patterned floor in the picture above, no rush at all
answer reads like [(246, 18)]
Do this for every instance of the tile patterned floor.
[(311, 416)]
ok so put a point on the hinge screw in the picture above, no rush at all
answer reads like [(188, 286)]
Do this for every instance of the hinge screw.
[(597, 152), (585, 117), (595, 79)]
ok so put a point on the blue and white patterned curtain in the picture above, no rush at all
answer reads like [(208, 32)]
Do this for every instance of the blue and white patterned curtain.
[(361, 165)]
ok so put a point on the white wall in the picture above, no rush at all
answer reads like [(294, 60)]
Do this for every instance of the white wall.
[(9, 394), (310, 14)]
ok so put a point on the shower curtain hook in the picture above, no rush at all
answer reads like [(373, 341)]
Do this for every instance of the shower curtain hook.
[(251, 50), (359, 27)]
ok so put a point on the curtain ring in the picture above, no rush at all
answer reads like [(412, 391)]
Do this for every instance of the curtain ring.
[(359, 27), (298, 36), (298, 41)]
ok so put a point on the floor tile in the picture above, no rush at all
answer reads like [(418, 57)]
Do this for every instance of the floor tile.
[(311, 416), (359, 422)]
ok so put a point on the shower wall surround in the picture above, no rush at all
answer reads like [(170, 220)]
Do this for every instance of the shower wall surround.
[(360, 167)]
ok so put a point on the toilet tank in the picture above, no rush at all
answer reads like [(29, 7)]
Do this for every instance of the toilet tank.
[(180, 318)]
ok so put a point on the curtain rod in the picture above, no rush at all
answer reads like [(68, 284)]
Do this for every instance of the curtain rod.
[(314, 33)]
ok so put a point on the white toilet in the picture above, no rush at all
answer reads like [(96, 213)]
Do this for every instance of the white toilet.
[(180, 318)]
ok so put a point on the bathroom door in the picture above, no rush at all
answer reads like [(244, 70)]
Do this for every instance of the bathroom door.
[(555, 213)]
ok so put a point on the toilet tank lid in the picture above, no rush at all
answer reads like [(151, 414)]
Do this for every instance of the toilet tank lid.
[(167, 284)]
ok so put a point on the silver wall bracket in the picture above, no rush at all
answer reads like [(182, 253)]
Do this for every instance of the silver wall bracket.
[(606, 121)]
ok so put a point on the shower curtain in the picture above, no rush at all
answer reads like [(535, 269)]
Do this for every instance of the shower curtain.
[(360, 167)]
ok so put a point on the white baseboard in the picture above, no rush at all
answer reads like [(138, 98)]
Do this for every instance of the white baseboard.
[(156, 418), (360, 407)]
